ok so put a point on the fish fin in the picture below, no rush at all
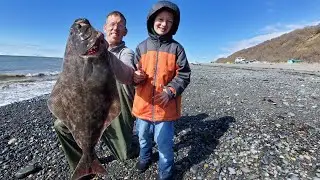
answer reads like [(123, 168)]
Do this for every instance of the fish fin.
[(84, 168), (114, 111)]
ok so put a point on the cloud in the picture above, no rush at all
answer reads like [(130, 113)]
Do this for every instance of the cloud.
[(266, 33), (246, 43), (286, 27), (30, 50), (222, 55), (270, 6)]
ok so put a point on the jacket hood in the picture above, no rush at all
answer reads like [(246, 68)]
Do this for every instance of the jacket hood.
[(158, 7)]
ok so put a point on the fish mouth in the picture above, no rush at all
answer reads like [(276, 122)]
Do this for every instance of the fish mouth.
[(97, 47), (93, 50)]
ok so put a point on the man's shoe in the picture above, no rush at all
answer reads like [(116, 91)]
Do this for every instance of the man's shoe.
[(142, 166), (90, 177)]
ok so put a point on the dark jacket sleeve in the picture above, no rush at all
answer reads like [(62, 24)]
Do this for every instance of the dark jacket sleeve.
[(122, 72), (182, 78)]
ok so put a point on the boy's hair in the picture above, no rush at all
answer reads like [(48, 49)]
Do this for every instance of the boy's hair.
[(117, 13)]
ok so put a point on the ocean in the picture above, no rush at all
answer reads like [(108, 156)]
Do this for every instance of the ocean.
[(25, 77)]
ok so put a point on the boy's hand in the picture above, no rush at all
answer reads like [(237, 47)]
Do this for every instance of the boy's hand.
[(163, 98)]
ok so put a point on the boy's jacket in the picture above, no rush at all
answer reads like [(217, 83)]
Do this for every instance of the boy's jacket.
[(165, 62)]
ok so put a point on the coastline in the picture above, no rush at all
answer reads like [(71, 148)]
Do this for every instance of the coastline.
[(312, 67)]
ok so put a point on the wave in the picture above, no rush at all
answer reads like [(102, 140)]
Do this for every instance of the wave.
[(41, 74), (15, 91)]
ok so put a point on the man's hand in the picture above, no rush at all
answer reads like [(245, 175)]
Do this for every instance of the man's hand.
[(139, 76)]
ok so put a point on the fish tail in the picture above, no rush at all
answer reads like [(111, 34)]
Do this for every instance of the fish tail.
[(85, 168)]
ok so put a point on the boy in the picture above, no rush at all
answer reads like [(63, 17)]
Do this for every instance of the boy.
[(157, 102)]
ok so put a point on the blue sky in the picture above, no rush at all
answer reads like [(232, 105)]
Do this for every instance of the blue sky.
[(208, 29)]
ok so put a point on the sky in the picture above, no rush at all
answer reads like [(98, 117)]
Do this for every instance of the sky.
[(208, 29)]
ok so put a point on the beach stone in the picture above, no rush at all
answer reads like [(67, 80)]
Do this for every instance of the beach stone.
[(292, 176), (286, 103), (194, 169), (5, 150), (290, 114), (231, 170), (27, 170), (245, 170), (12, 141)]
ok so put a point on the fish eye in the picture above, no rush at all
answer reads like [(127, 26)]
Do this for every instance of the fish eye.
[(78, 26)]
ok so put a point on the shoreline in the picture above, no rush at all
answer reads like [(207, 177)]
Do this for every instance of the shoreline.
[(313, 68), (302, 67)]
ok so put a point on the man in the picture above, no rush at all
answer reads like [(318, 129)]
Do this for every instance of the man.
[(118, 136)]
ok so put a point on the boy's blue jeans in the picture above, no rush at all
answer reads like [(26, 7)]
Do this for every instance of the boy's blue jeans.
[(163, 133)]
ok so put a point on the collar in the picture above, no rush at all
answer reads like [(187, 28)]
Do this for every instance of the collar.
[(161, 39), (117, 48)]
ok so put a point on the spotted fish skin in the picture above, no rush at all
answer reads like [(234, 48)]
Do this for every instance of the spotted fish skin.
[(85, 96)]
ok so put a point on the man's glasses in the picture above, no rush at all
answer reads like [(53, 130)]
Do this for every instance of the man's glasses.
[(118, 25)]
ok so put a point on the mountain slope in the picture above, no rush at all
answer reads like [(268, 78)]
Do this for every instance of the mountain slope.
[(303, 44)]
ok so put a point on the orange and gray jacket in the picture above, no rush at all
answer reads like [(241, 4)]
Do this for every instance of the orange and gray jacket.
[(165, 62)]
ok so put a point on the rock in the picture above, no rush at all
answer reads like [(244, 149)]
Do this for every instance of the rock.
[(5, 150), (286, 103), (245, 170), (265, 160), (194, 169), (231, 170), (12, 141), (307, 157), (292, 176), (178, 167), (253, 177), (205, 166), (290, 114), (27, 170)]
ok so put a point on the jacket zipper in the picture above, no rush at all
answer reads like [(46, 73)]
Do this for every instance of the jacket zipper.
[(154, 77)]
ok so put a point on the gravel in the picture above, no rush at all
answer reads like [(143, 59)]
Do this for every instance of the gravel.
[(237, 123)]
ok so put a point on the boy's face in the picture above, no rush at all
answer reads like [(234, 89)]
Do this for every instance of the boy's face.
[(163, 22), (115, 30)]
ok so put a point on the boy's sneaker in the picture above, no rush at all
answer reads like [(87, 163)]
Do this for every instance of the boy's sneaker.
[(167, 176), (142, 166), (170, 177)]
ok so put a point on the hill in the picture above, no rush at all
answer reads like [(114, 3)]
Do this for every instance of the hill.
[(302, 44)]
